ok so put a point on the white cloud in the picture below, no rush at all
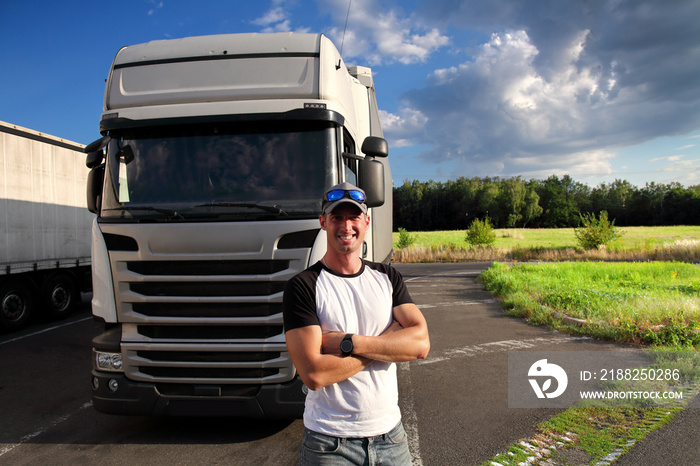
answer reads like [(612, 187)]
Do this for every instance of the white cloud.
[(379, 34), (671, 158), (579, 165), (683, 170), (278, 18), (499, 103), (156, 6), (404, 129), (272, 16)]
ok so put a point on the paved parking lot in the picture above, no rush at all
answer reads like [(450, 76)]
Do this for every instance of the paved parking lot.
[(454, 403)]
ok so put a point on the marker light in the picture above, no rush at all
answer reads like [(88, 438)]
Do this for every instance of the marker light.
[(111, 362)]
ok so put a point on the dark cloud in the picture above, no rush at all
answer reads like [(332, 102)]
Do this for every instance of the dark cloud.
[(560, 85)]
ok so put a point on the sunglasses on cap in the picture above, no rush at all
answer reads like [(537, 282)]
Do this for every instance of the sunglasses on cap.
[(337, 194)]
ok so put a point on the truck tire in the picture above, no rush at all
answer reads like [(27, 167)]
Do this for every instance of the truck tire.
[(60, 294), (16, 305)]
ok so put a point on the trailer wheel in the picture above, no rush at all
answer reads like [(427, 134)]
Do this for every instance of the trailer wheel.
[(16, 305), (60, 294)]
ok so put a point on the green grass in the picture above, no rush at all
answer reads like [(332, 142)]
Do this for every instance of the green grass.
[(655, 303), (632, 237), (635, 302), (594, 433), (636, 243), (510, 238)]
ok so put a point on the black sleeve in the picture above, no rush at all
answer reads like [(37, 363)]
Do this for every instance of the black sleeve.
[(299, 301), (400, 295)]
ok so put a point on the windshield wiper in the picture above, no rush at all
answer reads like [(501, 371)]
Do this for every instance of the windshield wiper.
[(267, 208), (171, 213)]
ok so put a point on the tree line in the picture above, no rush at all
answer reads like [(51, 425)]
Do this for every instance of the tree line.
[(556, 202)]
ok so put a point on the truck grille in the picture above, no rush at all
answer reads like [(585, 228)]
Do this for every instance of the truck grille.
[(206, 289), (174, 268), (203, 310), (215, 363), (206, 311), (209, 372), (211, 356), (219, 332)]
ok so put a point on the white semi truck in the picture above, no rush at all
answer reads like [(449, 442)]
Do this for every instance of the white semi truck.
[(44, 226), (207, 182)]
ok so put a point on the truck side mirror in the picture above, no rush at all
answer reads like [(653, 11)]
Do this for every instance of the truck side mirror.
[(95, 158), (371, 180), (371, 172), (94, 188), (94, 152), (374, 146), (100, 144)]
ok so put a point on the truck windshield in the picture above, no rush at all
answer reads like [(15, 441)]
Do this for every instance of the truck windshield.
[(221, 172)]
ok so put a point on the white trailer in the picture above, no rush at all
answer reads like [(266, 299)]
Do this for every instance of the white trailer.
[(218, 151), (44, 225)]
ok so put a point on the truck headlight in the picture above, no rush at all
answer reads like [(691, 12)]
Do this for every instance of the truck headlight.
[(110, 362)]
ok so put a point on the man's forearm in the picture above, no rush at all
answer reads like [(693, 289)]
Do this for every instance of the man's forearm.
[(329, 369), (406, 339), (405, 344), (396, 344), (316, 368)]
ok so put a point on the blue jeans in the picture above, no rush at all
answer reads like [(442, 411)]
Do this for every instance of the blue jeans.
[(388, 449)]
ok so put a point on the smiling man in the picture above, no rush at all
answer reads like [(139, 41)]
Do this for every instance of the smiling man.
[(348, 322)]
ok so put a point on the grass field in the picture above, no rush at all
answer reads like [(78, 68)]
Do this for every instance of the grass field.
[(634, 302), (636, 243), (644, 288), (647, 303)]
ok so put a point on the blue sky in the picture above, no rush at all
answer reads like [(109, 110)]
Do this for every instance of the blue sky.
[(597, 89)]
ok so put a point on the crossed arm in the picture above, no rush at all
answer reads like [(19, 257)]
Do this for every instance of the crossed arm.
[(319, 362)]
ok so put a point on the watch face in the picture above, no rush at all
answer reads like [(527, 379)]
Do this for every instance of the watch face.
[(346, 346)]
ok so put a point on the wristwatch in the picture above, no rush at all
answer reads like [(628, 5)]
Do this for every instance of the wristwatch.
[(346, 345)]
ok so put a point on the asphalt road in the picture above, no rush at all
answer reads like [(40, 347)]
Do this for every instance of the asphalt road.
[(454, 403)]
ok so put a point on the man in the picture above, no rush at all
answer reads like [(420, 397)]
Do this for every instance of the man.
[(347, 323)]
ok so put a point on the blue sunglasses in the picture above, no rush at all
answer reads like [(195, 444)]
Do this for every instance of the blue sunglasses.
[(341, 193)]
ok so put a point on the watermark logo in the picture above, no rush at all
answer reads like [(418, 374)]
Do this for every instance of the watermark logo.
[(614, 379), (547, 372)]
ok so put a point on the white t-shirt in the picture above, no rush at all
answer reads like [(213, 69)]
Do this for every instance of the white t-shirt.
[(366, 404)]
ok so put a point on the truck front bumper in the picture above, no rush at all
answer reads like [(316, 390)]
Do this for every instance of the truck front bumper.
[(115, 394)]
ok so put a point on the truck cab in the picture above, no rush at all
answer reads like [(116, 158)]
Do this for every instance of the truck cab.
[(206, 182)]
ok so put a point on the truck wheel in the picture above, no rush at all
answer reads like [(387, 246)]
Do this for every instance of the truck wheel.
[(16, 305), (60, 294)]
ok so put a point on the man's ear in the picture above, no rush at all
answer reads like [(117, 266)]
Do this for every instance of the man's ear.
[(322, 221)]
